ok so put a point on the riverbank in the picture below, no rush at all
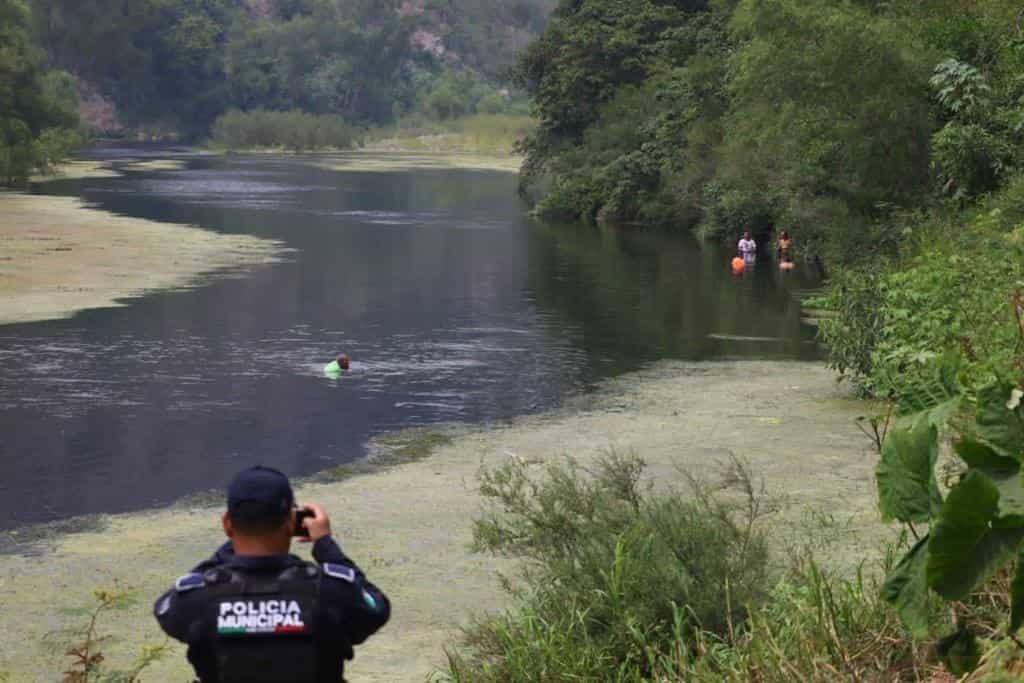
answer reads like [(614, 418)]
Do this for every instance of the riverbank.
[(480, 134), (478, 142), (409, 525), (58, 257)]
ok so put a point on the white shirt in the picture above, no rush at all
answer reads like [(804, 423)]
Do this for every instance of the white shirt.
[(747, 246)]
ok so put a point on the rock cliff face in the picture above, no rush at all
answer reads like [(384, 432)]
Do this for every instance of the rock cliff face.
[(484, 35), (99, 113), (259, 8)]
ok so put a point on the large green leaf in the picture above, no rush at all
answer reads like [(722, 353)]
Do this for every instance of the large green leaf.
[(998, 425), (981, 456), (907, 490), (906, 589), (964, 547), (1005, 474)]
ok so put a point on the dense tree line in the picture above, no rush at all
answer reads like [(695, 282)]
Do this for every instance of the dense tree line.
[(183, 63), (827, 119), (38, 108)]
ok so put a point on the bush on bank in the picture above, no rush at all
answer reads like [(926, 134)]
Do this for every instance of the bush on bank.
[(623, 584), (294, 130), (950, 290)]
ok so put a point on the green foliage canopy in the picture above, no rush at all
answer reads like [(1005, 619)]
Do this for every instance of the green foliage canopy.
[(38, 109), (183, 63)]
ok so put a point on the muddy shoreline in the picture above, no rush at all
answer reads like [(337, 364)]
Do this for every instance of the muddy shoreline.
[(409, 524)]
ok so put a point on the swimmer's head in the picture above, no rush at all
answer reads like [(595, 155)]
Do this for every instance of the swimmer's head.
[(343, 361), (746, 234)]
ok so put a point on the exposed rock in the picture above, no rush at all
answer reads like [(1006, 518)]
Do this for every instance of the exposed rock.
[(426, 41), (98, 112), (259, 8)]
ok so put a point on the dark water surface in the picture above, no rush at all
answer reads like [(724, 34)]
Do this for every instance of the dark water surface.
[(453, 305)]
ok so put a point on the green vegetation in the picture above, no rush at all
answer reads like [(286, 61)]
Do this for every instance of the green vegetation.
[(292, 130), (620, 583), (176, 66), (493, 134), (831, 120), (85, 651), (976, 527), (38, 108)]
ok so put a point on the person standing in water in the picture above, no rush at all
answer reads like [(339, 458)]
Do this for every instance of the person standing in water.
[(747, 246), (337, 367), (784, 247)]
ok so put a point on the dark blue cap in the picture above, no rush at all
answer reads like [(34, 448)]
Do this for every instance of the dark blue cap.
[(261, 485)]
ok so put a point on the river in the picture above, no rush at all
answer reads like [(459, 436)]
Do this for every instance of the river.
[(454, 306)]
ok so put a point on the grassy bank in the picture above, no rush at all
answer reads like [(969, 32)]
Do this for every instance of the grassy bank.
[(480, 134), (410, 525), (480, 141), (59, 257)]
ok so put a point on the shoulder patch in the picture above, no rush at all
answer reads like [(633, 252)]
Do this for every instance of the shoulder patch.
[(163, 606), (189, 582), (340, 571)]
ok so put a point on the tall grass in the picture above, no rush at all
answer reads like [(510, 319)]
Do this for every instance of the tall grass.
[(490, 134), (619, 583), (291, 130)]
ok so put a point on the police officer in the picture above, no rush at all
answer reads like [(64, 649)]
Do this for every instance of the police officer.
[(257, 614)]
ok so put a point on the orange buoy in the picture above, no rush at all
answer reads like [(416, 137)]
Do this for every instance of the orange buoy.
[(738, 266)]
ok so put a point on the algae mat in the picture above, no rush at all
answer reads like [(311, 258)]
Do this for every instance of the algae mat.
[(409, 526), (58, 257), (383, 160)]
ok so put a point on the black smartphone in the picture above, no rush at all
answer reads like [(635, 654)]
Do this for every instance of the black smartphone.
[(301, 514)]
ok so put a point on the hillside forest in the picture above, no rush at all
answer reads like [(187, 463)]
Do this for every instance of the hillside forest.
[(168, 69)]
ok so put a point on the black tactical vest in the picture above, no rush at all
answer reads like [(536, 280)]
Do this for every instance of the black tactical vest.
[(263, 624)]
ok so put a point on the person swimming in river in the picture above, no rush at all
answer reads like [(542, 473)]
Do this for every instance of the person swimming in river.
[(337, 367), (747, 247)]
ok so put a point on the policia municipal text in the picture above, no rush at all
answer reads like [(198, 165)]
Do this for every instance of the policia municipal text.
[(253, 613)]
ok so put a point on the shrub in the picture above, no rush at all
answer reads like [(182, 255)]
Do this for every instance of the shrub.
[(613, 577), (968, 160), (948, 293), (292, 130), (621, 584), (88, 663)]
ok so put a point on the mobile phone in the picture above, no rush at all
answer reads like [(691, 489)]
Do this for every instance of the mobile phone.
[(301, 514)]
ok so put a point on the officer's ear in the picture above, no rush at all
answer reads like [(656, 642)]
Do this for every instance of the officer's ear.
[(225, 520)]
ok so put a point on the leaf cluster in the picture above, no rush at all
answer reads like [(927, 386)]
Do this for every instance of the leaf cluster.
[(976, 528)]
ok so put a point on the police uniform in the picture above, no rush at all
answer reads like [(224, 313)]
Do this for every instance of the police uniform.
[(275, 618)]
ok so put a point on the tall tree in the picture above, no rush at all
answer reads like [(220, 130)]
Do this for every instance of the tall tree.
[(36, 109)]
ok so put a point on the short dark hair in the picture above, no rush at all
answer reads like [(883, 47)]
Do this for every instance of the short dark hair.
[(254, 518)]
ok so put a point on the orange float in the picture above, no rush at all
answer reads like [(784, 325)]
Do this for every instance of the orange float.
[(738, 266)]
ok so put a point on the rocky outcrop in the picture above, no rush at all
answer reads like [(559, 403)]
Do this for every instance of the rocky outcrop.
[(99, 113)]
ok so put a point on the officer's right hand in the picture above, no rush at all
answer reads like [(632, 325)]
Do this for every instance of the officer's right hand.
[(318, 525)]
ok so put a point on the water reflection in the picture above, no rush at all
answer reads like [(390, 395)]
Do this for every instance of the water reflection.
[(452, 304)]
